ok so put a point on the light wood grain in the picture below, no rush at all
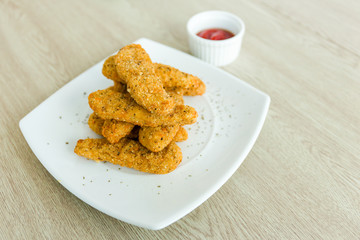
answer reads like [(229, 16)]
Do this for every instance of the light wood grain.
[(300, 181)]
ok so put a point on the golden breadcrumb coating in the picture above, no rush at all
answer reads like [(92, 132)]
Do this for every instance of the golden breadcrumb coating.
[(177, 96), (134, 66), (157, 138), (96, 123), (114, 130), (109, 70), (171, 78), (175, 93), (109, 104), (130, 153), (181, 135), (111, 129)]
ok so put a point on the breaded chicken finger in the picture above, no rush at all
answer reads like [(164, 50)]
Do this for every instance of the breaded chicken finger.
[(109, 70), (171, 78), (177, 96), (111, 129), (157, 138), (134, 66), (114, 130), (181, 135), (109, 104), (132, 154), (96, 123)]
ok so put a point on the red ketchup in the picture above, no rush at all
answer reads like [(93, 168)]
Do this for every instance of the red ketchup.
[(215, 34)]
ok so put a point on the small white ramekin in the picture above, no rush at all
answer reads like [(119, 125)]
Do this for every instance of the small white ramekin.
[(216, 52)]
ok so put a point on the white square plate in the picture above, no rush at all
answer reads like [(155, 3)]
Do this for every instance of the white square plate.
[(231, 115)]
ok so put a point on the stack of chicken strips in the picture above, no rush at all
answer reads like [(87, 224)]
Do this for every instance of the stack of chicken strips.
[(142, 114)]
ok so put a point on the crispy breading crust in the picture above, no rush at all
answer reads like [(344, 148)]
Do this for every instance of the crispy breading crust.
[(109, 104), (114, 130), (157, 138), (132, 154), (109, 70), (96, 123), (134, 66), (181, 135), (177, 96), (111, 129), (171, 78)]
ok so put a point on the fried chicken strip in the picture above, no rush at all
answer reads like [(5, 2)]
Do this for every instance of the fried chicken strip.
[(109, 70), (96, 123), (181, 135), (177, 96), (111, 129), (171, 78), (114, 130), (109, 104), (130, 153), (135, 67), (157, 138)]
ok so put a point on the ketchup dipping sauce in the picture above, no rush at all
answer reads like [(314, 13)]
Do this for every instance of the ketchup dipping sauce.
[(215, 34)]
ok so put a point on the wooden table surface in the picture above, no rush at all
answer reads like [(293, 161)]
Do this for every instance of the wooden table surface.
[(301, 180)]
